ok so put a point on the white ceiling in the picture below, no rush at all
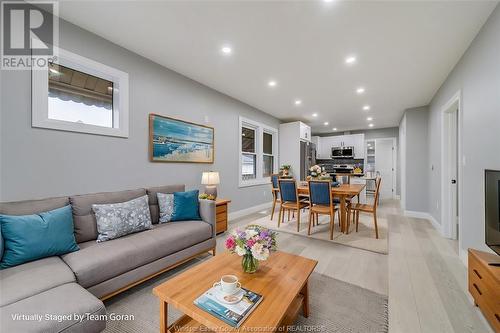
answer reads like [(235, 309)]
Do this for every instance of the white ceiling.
[(404, 50)]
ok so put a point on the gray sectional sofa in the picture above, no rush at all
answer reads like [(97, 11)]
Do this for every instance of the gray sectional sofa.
[(33, 294)]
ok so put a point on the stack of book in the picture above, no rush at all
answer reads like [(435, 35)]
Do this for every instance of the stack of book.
[(232, 314)]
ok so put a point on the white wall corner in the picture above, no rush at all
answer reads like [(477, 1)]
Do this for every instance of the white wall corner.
[(248, 211), (426, 216)]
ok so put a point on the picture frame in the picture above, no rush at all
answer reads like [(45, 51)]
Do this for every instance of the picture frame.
[(174, 140)]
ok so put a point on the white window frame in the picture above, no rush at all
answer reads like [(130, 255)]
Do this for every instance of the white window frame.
[(40, 89), (259, 151)]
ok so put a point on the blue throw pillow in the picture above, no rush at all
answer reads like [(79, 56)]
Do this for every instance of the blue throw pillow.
[(186, 206), (31, 237)]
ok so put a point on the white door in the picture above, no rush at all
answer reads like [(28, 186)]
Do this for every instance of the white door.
[(385, 166), (452, 118)]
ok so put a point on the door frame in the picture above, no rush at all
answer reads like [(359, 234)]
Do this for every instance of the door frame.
[(394, 161), (448, 225)]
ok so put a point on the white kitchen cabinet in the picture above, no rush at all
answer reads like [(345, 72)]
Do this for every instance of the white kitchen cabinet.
[(359, 145), (305, 132), (326, 145)]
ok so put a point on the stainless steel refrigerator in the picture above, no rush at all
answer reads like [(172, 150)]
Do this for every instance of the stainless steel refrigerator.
[(307, 158)]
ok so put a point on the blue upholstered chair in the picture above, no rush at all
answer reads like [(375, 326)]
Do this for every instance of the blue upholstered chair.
[(289, 200), (275, 191), (321, 202)]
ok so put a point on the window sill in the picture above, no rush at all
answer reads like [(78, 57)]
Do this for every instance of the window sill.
[(255, 182)]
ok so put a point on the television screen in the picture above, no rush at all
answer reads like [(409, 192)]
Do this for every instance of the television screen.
[(492, 205)]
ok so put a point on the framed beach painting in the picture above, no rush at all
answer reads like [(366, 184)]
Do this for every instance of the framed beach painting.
[(174, 140)]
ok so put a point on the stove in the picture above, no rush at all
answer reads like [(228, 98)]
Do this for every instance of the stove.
[(338, 168)]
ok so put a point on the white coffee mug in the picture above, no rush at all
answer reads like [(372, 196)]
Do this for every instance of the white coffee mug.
[(229, 284)]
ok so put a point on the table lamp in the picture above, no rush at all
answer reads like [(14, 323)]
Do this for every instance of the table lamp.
[(210, 179)]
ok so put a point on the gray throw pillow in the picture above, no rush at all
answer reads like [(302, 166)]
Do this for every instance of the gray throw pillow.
[(166, 204), (120, 219)]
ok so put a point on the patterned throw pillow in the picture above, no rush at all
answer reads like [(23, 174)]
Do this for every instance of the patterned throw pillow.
[(120, 219), (166, 204)]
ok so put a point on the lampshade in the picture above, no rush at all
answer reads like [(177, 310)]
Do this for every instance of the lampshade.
[(210, 178)]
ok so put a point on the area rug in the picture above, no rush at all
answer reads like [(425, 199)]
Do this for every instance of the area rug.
[(363, 239), (335, 306)]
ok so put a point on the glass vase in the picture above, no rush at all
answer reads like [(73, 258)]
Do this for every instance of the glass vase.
[(249, 264)]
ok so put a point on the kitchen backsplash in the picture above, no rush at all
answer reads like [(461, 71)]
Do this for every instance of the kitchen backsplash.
[(350, 161)]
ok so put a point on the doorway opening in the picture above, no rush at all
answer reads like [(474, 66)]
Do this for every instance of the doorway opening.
[(380, 160), (451, 168)]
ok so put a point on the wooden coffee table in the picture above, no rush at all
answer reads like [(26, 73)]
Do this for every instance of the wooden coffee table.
[(282, 281)]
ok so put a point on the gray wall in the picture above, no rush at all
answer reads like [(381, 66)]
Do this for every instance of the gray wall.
[(378, 133), (416, 160), (477, 76), (39, 163)]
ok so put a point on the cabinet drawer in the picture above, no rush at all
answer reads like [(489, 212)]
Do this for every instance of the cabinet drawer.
[(221, 208), (221, 217), (221, 226), (482, 276)]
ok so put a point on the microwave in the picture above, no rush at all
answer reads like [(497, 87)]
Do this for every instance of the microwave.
[(342, 152)]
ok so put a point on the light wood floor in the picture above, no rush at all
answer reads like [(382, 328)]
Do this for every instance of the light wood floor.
[(424, 279)]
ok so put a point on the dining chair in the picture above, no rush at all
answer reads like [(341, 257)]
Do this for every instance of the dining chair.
[(366, 208), (289, 200), (321, 202), (275, 191), (345, 179)]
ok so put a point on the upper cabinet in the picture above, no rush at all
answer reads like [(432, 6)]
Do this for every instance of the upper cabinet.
[(305, 132), (326, 143)]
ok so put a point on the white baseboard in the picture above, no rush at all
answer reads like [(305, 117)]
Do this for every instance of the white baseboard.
[(427, 216), (250, 210)]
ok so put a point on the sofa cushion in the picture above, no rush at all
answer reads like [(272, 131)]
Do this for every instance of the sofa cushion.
[(166, 205), (98, 262), (83, 216), (186, 206), (120, 219), (57, 308), (153, 200), (35, 236), (32, 206), (34, 277)]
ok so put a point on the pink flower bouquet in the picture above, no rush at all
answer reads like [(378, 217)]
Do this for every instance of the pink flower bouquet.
[(254, 244)]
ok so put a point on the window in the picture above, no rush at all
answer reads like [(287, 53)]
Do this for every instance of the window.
[(268, 158), (80, 95), (248, 156), (79, 98), (258, 146)]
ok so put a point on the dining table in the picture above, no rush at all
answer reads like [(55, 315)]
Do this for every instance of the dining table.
[(344, 192)]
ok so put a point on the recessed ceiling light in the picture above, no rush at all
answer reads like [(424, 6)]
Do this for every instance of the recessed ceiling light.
[(327, 1), (360, 90), (226, 50), (334, 129), (370, 125), (369, 118), (350, 60), (298, 102), (314, 115), (272, 83), (326, 123), (366, 107)]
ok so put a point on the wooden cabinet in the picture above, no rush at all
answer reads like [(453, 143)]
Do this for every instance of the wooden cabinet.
[(221, 212), (484, 285)]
